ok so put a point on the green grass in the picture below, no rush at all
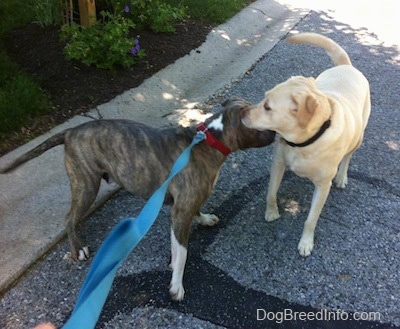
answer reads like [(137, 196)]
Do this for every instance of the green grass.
[(213, 12), (21, 98), (14, 13)]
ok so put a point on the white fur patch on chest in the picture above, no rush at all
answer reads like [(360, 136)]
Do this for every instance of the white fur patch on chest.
[(217, 124)]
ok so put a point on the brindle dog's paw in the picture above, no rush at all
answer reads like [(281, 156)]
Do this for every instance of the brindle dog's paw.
[(177, 292), (81, 255), (207, 219)]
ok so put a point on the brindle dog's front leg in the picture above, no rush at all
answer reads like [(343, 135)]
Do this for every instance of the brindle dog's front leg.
[(178, 256), (179, 242)]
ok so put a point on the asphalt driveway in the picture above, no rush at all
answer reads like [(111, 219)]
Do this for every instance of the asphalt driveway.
[(246, 272)]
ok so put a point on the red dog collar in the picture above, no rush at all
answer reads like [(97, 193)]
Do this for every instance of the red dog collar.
[(212, 141)]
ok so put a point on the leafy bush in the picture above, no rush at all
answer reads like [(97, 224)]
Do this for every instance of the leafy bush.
[(157, 15), (161, 18), (20, 98), (106, 44)]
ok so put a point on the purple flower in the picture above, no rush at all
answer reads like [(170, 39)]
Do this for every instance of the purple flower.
[(126, 9), (135, 49)]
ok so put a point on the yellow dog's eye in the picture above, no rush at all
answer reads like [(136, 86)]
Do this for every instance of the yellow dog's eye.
[(266, 107)]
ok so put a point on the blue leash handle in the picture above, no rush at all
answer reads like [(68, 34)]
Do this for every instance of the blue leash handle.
[(116, 248)]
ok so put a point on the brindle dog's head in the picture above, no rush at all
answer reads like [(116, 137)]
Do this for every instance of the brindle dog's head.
[(230, 130)]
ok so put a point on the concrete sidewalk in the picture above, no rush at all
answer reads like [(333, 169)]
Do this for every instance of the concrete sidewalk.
[(35, 198)]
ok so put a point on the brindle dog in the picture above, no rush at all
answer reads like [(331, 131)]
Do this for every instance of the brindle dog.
[(139, 158)]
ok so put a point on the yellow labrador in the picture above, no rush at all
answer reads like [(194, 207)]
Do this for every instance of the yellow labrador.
[(321, 123)]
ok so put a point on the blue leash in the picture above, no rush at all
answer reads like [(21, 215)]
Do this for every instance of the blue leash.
[(114, 250)]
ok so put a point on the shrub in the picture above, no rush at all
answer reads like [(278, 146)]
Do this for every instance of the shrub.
[(20, 98), (106, 44), (161, 18)]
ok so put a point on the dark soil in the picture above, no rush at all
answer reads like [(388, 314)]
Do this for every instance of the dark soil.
[(75, 88)]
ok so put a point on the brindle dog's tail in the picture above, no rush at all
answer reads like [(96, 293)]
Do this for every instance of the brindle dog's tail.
[(335, 51), (53, 141)]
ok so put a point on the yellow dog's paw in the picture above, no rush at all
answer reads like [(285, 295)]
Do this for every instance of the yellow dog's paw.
[(341, 181), (306, 246), (271, 214)]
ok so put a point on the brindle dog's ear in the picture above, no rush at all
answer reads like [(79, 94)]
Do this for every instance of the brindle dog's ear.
[(234, 107), (235, 118)]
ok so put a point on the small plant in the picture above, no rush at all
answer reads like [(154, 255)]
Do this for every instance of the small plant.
[(20, 99), (157, 15), (106, 44), (46, 12), (163, 16)]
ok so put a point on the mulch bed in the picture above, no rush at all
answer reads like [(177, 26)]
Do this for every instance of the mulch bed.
[(73, 87)]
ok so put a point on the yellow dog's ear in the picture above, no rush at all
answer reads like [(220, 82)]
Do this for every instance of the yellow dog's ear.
[(306, 110)]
